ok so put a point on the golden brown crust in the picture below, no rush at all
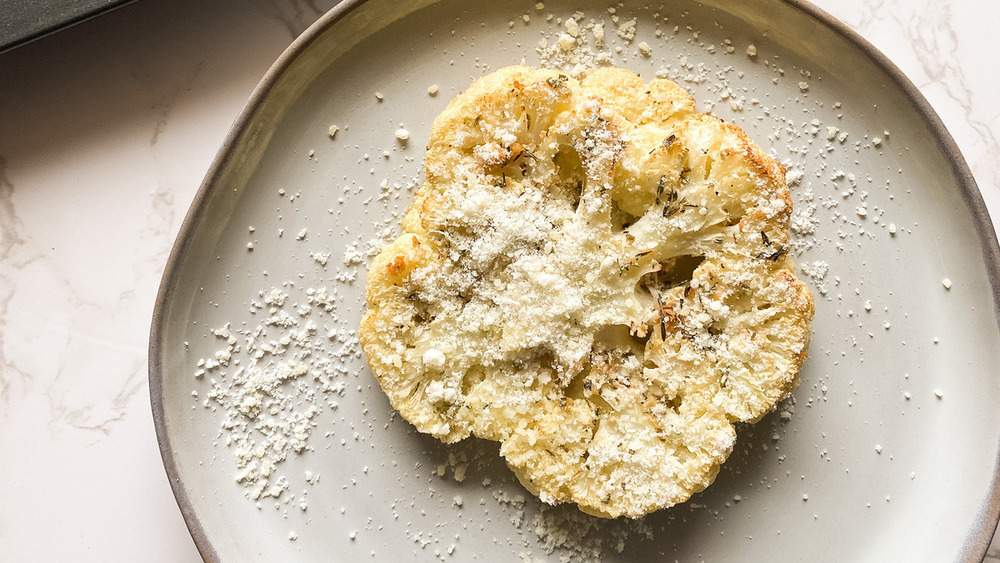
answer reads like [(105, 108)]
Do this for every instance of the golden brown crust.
[(596, 276)]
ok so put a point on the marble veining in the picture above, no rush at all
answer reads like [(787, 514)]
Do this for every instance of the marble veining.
[(91, 199), (11, 258), (295, 15), (163, 108)]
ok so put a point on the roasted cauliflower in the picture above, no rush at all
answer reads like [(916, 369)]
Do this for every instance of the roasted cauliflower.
[(595, 275)]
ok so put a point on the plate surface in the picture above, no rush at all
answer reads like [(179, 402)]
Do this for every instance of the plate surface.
[(887, 450)]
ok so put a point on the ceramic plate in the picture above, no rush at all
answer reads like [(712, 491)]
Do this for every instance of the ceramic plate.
[(887, 450)]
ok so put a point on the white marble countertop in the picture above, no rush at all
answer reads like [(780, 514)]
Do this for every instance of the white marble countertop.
[(106, 130)]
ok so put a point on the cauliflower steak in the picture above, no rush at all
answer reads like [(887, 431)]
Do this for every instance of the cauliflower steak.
[(594, 275)]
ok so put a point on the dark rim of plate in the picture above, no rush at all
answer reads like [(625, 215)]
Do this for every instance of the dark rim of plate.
[(978, 539)]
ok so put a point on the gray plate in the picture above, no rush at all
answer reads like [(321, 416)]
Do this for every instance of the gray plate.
[(890, 449)]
